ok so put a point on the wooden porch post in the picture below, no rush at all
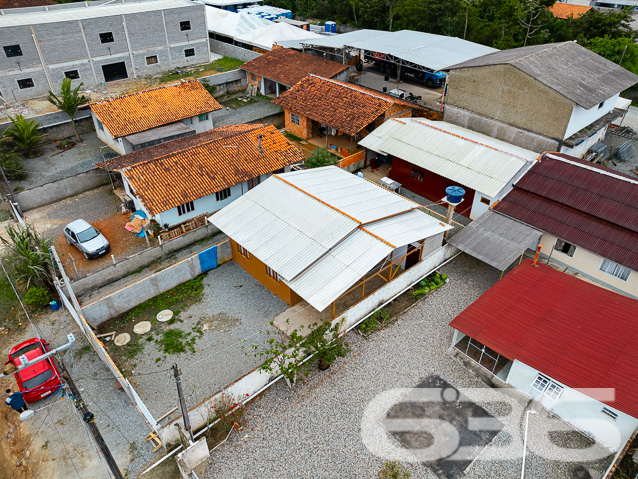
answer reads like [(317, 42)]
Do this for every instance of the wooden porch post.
[(422, 248), (332, 316)]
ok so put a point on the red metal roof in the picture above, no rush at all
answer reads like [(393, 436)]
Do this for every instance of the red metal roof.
[(575, 332), (580, 203)]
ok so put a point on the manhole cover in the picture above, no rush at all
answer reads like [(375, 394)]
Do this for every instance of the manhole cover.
[(164, 316), (122, 339), (142, 327)]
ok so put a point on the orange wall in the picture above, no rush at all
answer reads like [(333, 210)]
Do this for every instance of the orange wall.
[(304, 130), (398, 111), (257, 270)]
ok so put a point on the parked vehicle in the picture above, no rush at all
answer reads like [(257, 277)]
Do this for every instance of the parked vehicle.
[(90, 241), (40, 379), (431, 78)]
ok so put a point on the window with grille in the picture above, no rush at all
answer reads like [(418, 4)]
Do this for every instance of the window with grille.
[(203, 117), (25, 83), (243, 251), (614, 269), (546, 386), (185, 208), (272, 273), (417, 174), (152, 60), (183, 26), (565, 247), (295, 119), (72, 74), (222, 195), (106, 37), (13, 51), (189, 52), (609, 412)]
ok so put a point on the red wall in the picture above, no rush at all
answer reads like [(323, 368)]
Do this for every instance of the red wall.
[(432, 187)]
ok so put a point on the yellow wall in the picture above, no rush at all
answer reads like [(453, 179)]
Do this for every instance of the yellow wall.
[(589, 264), (257, 270)]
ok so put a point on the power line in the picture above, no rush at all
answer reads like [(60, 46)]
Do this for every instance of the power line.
[(37, 332)]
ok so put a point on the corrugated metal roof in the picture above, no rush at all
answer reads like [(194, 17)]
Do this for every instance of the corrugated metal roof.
[(437, 52), (363, 200), (89, 11), (466, 157), (343, 39), (575, 332), (590, 206), (339, 269), (308, 227), (496, 239), (266, 37)]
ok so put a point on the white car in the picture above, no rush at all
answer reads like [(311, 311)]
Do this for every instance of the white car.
[(86, 238)]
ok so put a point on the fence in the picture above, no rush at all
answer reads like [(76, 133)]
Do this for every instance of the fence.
[(257, 381), (98, 347), (183, 228), (127, 298), (353, 162)]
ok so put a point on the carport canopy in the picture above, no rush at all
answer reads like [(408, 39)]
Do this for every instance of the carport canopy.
[(496, 239)]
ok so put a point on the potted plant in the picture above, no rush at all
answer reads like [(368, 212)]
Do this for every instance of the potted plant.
[(326, 344), (154, 226)]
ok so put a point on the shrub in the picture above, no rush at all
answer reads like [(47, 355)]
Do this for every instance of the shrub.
[(394, 470), (38, 297), (29, 257), (321, 157), (25, 134), (12, 165), (325, 342)]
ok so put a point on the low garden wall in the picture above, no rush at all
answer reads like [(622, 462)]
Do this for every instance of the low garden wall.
[(227, 82), (57, 125), (228, 50), (127, 298)]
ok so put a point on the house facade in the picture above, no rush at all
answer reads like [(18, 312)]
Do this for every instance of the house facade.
[(572, 353), (587, 217), (101, 42), (428, 156), (280, 69), (532, 97), (176, 181), (139, 120)]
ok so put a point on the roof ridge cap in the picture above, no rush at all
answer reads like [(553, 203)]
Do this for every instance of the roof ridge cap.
[(595, 170), (551, 47)]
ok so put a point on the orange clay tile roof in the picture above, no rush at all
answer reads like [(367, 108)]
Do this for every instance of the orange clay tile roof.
[(288, 66), (344, 106), (168, 175), (4, 4), (148, 109), (567, 10)]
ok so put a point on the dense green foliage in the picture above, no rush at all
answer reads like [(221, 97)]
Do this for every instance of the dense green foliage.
[(497, 23), (38, 297), (321, 157), (24, 133), (29, 257)]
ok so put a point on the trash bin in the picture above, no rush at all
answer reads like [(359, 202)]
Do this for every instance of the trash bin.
[(54, 305)]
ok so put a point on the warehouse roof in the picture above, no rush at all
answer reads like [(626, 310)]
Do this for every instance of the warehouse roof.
[(579, 334), (322, 229), (232, 24), (289, 67), (265, 37), (70, 12), (344, 106), (341, 40), (575, 72), (147, 109), (568, 10), (183, 170), (590, 206), (464, 156)]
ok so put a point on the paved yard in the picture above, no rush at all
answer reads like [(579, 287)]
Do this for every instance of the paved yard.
[(320, 429), (100, 207), (245, 114)]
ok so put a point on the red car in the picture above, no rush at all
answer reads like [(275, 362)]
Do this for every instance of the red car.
[(40, 379)]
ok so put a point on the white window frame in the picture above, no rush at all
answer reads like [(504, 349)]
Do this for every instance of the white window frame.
[(185, 208), (295, 119), (547, 387), (606, 265)]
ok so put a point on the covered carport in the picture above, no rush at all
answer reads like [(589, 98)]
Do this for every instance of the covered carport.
[(496, 239)]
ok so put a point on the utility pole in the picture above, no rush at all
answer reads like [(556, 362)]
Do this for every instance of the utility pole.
[(182, 403), (89, 418)]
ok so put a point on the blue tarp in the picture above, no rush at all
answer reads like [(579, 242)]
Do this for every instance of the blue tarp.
[(208, 259)]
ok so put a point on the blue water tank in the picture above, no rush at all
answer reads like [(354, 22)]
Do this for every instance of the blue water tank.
[(331, 27), (454, 194)]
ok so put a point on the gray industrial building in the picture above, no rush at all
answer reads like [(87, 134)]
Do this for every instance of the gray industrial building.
[(97, 42)]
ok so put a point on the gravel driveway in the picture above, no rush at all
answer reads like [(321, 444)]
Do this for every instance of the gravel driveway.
[(315, 430)]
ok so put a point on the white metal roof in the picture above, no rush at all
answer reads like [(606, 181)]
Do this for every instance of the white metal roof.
[(341, 40), (267, 36), (234, 24), (363, 200), (471, 159), (297, 223), (60, 14)]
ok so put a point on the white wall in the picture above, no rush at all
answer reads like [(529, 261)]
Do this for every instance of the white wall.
[(579, 410), (479, 208), (104, 135), (580, 149), (129, 192), (581, 118), (200, 126), (207, 204)]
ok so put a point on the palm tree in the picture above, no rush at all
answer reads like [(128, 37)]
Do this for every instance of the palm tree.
[(68, 101), (24, 133), (29, 257)]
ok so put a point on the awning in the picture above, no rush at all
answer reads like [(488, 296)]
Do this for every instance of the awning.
[(496, 239)]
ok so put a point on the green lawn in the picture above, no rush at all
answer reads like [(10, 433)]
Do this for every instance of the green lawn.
[(197, 71)]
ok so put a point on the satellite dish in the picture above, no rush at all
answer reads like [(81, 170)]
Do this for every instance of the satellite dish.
[(164, 316)]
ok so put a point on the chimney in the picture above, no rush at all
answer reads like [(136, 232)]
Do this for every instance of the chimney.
[(259, 144)]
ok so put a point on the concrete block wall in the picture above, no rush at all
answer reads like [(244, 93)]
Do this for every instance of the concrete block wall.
[(127, 298), (228, 50), (141, 260)]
